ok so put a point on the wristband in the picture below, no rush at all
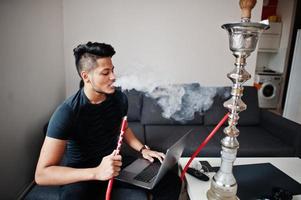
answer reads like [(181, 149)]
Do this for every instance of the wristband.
[(144, 147)]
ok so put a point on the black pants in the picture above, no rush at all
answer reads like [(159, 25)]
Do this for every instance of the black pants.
[(168, 188)]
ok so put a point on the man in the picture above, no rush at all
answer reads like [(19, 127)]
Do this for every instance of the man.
[(87, 126)]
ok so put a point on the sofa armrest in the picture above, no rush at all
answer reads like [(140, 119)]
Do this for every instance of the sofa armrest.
[(286, 130)]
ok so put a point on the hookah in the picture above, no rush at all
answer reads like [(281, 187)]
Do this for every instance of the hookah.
[(243, 38)]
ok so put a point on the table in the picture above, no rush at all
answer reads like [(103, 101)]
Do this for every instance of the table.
[(197, 189)]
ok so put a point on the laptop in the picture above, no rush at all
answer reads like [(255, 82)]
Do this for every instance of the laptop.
[(146, 174)]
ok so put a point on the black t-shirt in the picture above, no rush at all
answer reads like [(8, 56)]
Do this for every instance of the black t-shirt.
[(92, 130)]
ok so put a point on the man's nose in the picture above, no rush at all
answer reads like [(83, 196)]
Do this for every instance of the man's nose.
[(112, 76)]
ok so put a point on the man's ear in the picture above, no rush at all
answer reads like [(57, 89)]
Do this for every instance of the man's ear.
[(85, 76)]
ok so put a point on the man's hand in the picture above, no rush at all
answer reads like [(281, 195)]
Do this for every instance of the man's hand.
[(150, 155), (109, 167)]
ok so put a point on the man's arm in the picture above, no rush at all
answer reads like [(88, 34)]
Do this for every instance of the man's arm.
[(133, 142), (48, 171)]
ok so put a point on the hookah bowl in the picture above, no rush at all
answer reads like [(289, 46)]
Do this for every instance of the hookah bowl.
[(243, 39)]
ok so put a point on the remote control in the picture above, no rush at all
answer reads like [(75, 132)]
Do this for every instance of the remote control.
[(197, 174)]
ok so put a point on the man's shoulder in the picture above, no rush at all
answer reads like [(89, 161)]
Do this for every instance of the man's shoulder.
[(64, 109), (74, 101)]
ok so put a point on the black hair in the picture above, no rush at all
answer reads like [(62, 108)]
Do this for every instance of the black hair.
[(87, 54)]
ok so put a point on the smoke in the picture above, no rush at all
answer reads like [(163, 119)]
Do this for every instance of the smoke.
[(178, 101), (140, 78), (181, 102)]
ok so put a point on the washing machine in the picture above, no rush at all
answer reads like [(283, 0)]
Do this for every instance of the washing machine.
[(268, 86)]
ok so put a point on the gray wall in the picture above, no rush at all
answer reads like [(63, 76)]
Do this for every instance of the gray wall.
[(32, 84)]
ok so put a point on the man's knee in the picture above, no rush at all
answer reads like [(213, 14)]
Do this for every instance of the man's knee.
[(129, 194), (82, 190), (73, 191)]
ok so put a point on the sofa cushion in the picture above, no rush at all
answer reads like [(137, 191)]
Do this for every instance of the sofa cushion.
[(286, 130), (135, 104), (215, 113), (255, 141), (212, 148), (161, 137), (152, 114), (250, 116)]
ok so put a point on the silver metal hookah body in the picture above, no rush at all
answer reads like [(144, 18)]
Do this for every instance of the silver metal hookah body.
[(243, 39)]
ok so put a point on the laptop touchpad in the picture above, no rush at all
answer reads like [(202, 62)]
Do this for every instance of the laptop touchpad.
[(137, 166)]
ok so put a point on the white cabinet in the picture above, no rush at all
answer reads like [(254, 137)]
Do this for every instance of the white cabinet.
[(269, 40)]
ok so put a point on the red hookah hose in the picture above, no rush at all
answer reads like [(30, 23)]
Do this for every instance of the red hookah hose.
[(203, 144), (119, 143)]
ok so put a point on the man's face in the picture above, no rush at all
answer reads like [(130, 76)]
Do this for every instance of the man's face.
[(103, 77)]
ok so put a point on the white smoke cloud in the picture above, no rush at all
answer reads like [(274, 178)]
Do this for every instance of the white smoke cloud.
[(170, 98), (178, 101), (140, 78)]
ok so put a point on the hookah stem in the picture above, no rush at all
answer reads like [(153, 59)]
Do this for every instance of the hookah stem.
[(203, 144), (119, 143)]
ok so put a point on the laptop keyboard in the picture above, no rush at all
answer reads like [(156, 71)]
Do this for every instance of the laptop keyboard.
[(148, 173)]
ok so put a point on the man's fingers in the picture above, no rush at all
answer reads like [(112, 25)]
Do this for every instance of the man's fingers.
[(115, 173), (117, 163), (117, 157), (148, 157), (160, 159), (117, 169), (156, 155), (161, 154)]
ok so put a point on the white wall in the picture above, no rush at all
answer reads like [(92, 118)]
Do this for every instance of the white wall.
[(292, 108), (286, 12), (179, 40), (32, 85)]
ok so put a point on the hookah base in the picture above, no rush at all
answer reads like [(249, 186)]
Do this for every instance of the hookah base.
[(219, 194)]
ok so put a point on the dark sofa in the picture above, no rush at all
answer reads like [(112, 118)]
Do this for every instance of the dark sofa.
[(262, 133)]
